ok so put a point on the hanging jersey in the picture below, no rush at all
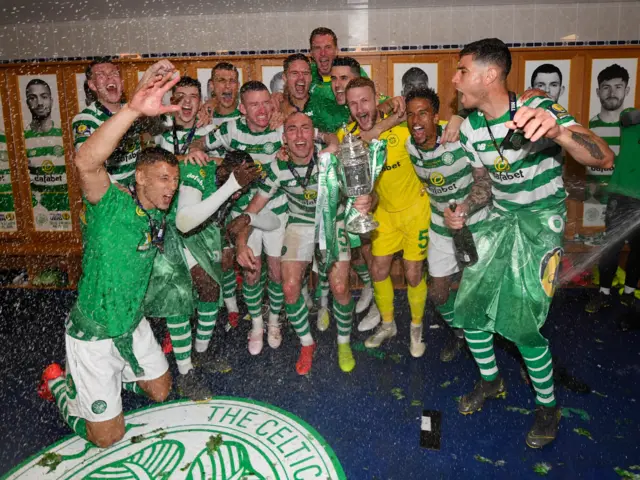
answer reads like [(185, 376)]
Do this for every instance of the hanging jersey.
[(47, 168)]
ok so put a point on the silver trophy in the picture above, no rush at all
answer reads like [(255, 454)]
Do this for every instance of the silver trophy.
[(356, 180)]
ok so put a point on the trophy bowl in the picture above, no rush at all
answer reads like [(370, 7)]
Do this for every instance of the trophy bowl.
[(356, 180)]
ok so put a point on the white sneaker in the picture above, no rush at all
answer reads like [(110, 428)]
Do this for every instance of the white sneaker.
[(417, 346), (370, 320), (365, 299), (274, 335), (384, 332), (256, 339), (323, 319), (307, 297)]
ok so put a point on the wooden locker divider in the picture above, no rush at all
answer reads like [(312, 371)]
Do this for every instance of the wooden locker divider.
[(17, 175), (40, 247)]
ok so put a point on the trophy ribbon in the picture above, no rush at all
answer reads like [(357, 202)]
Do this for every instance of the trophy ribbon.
[(327, 204)]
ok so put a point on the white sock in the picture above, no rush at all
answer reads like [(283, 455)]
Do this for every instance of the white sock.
[(184, 366), (324, 301), (274, 319), (305, 294), (257, 323), (231, 304), (606, 291), (344, 339), (306, 340), (629, 289), (201, 345)]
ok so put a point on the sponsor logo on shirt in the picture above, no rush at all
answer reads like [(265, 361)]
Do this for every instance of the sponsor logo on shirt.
[(436, 179), (504, 176), (391, 167), (501, 164)]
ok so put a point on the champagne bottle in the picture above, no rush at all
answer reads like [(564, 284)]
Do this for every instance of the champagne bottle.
[(465, 247)]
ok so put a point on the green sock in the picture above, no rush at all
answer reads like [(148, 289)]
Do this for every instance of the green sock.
[(481, 346), (298, 315), (446, 309), (344, 319), (58, 387), (540, 367), (133, 387), (253, 298), (207, 317), (180, 332), (276, 297), (229, 284), (363, 272)]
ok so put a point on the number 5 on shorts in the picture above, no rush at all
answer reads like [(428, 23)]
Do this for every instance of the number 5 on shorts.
[(423, 239)]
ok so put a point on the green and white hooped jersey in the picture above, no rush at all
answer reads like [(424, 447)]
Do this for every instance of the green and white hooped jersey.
[(165, 140), (262, 146), (528, 178), (121, 165), (45, 153), (610, 133), (302, 201), (447, 174), (6, 191), (218, 119)]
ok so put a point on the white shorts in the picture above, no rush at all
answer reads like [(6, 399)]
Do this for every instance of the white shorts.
[(300, 244), (97, 371), (271, 242), (441, 256)]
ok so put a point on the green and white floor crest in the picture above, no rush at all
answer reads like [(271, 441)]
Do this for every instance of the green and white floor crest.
[(225, 438)]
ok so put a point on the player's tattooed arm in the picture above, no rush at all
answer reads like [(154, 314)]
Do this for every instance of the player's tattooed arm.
[(585, 146), (480, 194), (591, 146)]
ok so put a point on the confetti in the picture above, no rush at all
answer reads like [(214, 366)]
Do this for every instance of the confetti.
[(569, 411), (213, 444), (583, 432), (523, 411), (51, 460), (397, 393), (542, 468)]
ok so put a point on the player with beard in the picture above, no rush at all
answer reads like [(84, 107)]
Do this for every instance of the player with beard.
[(613, 88), (516, 153), (403, 219), (104, 80), (109, 344), (297, 177), (45, 151)]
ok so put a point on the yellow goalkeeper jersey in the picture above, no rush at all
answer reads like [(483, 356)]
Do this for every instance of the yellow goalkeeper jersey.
[(398, 187)]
